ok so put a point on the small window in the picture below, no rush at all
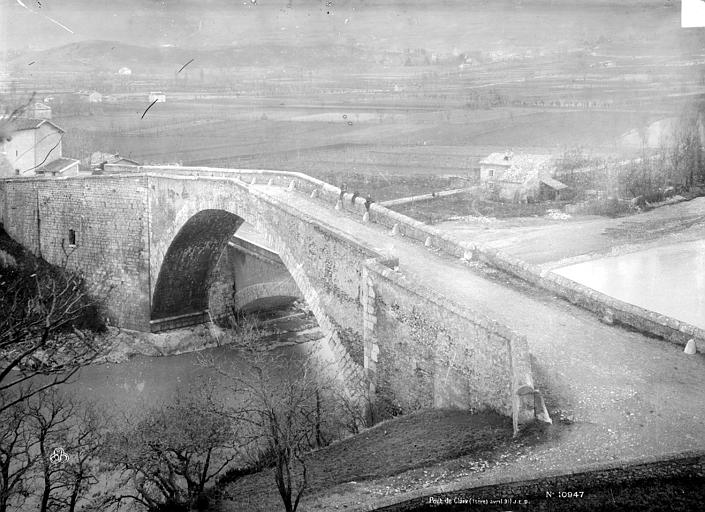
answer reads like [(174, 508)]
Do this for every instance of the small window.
[(72, 237), (17, 152), (491, 173)]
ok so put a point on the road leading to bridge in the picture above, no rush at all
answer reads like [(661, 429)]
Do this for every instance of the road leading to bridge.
[(625, 395)]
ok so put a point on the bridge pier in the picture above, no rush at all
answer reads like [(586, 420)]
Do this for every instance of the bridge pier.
[(249, 277)]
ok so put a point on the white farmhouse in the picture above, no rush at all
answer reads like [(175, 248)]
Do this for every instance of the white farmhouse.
[(157, 96), (520, 178)]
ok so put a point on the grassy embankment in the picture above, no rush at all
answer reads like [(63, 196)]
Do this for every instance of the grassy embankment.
[(404, 453)]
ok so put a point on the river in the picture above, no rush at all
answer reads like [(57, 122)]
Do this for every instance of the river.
[(669, 279), (143, 382)]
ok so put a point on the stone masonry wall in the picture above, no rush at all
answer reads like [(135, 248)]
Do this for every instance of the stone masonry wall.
[(326, 265), (252, 273), (517, 358), (422, 350), (331, 262), (108, 217)]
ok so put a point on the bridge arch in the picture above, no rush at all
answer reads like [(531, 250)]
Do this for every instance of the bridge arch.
[(184, 209), (191, 247), (211, 210), (185, 273)]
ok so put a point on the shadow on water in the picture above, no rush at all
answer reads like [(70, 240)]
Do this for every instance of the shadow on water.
[(143, 382)]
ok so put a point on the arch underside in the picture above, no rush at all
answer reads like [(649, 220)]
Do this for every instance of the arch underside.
[(267, 295), (185, 274)]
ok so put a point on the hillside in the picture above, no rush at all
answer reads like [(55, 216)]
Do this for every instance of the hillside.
[(403, 454), (109, 56), (350, 40)]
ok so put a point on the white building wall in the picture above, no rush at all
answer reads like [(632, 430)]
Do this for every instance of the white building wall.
[(47, 147), (20, 150)]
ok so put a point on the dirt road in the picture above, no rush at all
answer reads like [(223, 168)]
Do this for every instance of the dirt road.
[(555, 243)]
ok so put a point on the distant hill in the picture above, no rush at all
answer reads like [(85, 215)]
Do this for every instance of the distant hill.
[(109, 56)]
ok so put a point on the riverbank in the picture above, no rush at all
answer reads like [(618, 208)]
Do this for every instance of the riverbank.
[(291, 325)]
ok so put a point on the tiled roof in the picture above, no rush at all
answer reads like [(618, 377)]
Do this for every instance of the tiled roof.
[(125, 161), (521, 167), (32, 124), (497, 159), (57, 166), (98, 158), (554, 184)]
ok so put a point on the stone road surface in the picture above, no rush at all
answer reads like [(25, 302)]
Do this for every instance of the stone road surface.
[(628, 395)]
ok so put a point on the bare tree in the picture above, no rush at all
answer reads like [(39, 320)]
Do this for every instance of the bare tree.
[(681, 151), (283, 410), (168, 458), (48, 451), (16, 459), (85, 441), (67, 438), (44, 340), (48, 419), (686, 150), (46, 313), (281, 414)]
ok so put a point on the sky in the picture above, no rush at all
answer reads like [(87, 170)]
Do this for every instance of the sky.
[(41, 24)]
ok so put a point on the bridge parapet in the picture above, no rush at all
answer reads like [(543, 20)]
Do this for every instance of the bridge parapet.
[(668, 328)]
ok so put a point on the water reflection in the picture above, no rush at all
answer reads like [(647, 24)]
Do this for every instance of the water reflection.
[(142, 382), (669, 280)]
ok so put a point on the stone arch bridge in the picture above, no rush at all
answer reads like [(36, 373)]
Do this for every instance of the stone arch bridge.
[(149, 242)]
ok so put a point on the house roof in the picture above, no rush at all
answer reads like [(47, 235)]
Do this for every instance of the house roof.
[(99, 157), (521, 167), (125, 160), (497, 159), (32, 124), (57, 166), (554, 184)]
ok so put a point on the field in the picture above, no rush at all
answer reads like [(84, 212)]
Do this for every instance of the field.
[(467, 205), (388, 153), (387, 101)]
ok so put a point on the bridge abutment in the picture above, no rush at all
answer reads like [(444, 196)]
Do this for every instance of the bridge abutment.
[(98, 226)]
